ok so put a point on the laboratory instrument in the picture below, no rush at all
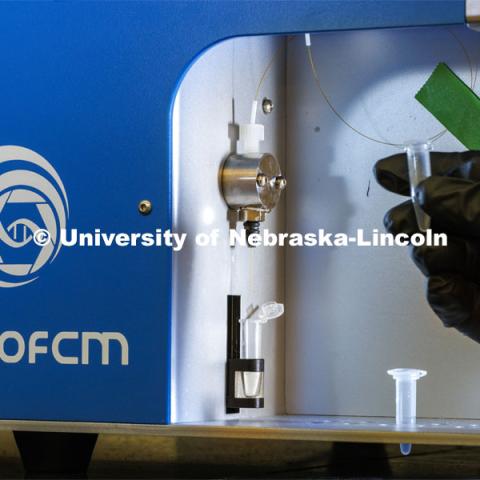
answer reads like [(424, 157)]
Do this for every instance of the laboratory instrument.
[(117, 114)]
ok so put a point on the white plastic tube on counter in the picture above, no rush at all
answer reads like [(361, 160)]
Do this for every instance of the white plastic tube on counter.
[(419, 168), (251, 343), (406, 400)]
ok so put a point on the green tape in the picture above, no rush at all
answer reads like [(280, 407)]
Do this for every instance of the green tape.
[(454, 104)]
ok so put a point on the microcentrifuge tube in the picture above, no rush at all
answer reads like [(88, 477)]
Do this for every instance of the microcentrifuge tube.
[(419, 168), (251, 343), (406, 400)]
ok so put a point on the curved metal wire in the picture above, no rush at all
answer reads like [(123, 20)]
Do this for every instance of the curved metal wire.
[(473, 77)]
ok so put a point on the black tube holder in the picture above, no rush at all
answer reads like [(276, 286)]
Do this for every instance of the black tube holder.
[(235, 398)]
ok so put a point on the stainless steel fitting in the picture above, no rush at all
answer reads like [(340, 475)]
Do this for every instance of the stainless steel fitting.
[(252, 181), (252, 185)]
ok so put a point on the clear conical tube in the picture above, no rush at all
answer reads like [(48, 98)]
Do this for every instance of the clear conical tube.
[(251, 347), (406, 400), (419, 168), (251, 343)]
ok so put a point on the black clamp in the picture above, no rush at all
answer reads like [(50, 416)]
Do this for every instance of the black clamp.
[(237, 367)]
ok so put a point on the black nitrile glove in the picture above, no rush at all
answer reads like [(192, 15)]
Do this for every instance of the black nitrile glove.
[(451, 196)]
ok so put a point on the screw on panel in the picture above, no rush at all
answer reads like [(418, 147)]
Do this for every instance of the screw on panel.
[(280, 182), (145, 207), (267, 106), (261, 180)]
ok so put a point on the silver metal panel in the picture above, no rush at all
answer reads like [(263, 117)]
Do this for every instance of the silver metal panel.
[(215, 96), (355, 312)]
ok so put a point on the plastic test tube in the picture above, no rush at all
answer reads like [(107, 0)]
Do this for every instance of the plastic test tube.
[(419, 168), (251, 343), (406, 400)]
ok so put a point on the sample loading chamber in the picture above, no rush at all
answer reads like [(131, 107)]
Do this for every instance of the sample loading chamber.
[(351, 313)]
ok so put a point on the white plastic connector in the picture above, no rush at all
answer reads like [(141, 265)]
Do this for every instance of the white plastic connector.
[(250, 134), (253, 112), (308, 40)]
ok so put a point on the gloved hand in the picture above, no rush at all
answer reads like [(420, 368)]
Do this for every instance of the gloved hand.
[(452, 199)]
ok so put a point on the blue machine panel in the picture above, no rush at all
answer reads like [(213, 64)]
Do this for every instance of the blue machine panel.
[(86, 90)]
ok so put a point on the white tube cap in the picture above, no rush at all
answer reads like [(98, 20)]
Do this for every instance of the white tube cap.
[(249, 138), (407, 373), (267, 311)]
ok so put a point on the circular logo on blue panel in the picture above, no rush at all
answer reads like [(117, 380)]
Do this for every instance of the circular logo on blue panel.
[(33, 211)]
